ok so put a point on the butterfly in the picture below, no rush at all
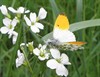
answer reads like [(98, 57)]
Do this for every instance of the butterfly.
[(63, 38)]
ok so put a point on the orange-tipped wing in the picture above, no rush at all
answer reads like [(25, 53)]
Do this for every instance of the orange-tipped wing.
[(79, 43), (62, 22)]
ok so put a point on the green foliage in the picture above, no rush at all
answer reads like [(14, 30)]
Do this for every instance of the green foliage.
[(85, 63)]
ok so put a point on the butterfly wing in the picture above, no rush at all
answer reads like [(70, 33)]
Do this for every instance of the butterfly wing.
[(79, 43), (62, 22)]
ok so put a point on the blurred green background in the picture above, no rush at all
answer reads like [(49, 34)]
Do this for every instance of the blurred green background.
[(85, 63)]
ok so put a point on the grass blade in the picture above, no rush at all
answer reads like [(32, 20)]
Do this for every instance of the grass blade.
[(55, 9)]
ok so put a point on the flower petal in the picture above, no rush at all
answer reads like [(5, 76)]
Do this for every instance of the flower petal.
[(12, 9), (20, 59), (47, 55), (4, 30), (33, 17), (65, 59), (55, 53), (39, 25), (14, 22), (61, 70), (42, 13), (39, 46), (15, 35), (3, 9), (6, 21), (36, 51), (17, 63), (44, 47), (27, 11), (52, 64), (28, 22), (10, 32), (20, 10), (19, 53), (41, 58), (22, 44), (35, 29)]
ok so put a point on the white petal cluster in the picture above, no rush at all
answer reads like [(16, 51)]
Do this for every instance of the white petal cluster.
[(8, 28), (20, 59), (32, 21), (10, 24), (58, 62), (41, 52), (20, 10)]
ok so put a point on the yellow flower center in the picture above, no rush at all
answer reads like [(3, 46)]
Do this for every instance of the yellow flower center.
[(58, 60), (10, 26), (42, 54)]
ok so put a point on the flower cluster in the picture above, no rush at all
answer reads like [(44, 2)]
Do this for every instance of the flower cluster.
[(55, 60), (10, 22), (32, 21)]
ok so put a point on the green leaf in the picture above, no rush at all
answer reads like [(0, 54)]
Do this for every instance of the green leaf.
[(77, 26)]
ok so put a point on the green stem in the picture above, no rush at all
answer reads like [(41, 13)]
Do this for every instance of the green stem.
[(13, 3), (30, 69), (24, 35)]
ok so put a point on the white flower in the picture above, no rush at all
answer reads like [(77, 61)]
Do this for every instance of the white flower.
[(58, 62), (9, 28), (20, 10), (41, 52), (4, 10), (33, 21), (20, 59), (9, 25)]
